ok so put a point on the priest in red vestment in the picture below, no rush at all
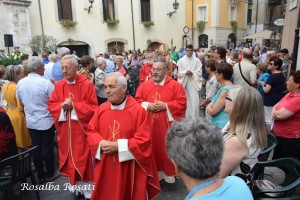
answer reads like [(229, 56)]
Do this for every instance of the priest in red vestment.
[(145, 72), (119, 139), (165, 101), (72, 105)]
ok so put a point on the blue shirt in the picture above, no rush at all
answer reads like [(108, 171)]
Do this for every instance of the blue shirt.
[(34, 91), (56, 71), (110, 66), (232, 188), (264, 77)]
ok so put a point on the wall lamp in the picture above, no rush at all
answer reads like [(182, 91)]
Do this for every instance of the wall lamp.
[(90, 7), (175, 6)]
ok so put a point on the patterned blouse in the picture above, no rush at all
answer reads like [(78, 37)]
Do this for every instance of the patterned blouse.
[(212, 87), (99, 83), (86, 73)]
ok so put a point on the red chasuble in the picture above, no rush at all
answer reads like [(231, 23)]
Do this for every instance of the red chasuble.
[(145, 72), (75, 160), (173, 94), (128, 180)]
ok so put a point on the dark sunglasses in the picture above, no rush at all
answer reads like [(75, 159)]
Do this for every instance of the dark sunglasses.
[(227, 98)]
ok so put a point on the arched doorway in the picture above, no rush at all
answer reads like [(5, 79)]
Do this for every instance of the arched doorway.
[(115, 47), (203, 41), (81, 48), (152, 46), (231, 41)]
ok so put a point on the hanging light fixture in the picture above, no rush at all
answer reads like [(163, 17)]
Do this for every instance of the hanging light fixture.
[(175, 7)]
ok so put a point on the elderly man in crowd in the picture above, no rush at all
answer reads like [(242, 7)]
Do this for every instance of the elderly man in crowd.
[(99, 80), (120, 139), (72, 105), (145, 72), (56, 70), (164, 99), (196, 149), (38, 118), (244, 72), (48, 67), (190, 76)]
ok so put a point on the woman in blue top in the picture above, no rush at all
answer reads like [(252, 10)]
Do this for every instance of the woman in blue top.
[(196, 149), (261, 71), (219, 117)]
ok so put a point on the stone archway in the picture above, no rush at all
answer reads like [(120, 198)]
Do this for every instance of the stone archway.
[(152, 46), (80, 44), (115, 47)]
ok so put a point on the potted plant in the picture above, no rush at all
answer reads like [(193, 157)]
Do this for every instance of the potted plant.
[(148, 23), (234, 26), (71, 41), (112, 22), (201, 25), (68, 23)]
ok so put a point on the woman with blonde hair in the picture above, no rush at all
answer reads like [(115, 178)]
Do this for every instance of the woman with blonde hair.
[(15, 110), (245, 134)]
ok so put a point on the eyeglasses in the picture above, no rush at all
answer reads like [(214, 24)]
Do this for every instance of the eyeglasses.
[(227, 98), (271, 64), (66, 68), (189, 50), (157, 69)]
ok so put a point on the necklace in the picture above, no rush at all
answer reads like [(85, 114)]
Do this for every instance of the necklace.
[(199, 187)]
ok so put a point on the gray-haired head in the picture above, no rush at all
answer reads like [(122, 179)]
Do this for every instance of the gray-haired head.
[(12, 72), (34, 63), (52, 57), (120, 78), (106, 55), (162, 60), (71, 57), (196, 147), (61, 52), (100, 61)]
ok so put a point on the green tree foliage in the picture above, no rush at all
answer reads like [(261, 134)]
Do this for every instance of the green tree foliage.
[(49, 44)]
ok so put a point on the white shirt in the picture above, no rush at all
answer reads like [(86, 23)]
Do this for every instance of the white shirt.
[(48, 70), (34, 91)]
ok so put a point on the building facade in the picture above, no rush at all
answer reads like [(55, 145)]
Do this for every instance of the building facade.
[(108, 25), (291, 35), (15, 23), (216, 22), (261, 15)]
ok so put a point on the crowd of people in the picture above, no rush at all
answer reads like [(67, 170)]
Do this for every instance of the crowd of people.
[(129, 122)]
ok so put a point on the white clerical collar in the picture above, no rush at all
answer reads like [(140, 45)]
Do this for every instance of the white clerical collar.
[(71, 83), (162, 82), (118, 107)]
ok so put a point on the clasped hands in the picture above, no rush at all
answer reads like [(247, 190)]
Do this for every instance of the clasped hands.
[(67, 104), (156, 107), (188, 72), (109, 147)]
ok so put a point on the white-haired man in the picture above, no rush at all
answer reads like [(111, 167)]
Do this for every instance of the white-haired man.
[(72, 105), (56, 70), (38, 118), (119, 138)]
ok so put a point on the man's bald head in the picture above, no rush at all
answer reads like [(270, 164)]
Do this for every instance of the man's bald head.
[(247, 53)]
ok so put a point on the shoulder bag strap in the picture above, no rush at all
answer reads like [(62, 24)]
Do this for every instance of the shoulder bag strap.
[(244, 76)]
